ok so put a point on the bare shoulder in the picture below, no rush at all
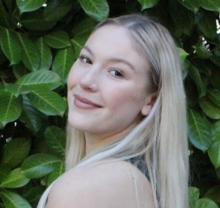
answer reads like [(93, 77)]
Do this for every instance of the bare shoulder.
[(105, 184)]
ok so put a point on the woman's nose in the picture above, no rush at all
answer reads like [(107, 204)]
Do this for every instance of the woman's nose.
[(89, 81)]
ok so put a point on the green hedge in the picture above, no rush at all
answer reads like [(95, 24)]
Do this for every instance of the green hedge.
[(40, 40)]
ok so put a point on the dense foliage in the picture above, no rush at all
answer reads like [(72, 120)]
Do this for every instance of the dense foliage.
[(39, 41)]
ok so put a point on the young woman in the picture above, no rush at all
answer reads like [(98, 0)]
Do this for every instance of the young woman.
[(127, 144)]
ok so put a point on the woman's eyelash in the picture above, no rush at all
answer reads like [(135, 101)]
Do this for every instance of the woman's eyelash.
[(85, 59), (117, 73)]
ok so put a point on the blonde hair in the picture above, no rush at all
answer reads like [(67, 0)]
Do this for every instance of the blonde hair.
[(161, 136)]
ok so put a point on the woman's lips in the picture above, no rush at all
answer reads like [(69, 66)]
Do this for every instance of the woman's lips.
[(84, 103)]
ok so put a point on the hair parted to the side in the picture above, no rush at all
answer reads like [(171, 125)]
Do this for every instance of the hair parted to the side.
[(161, 136)]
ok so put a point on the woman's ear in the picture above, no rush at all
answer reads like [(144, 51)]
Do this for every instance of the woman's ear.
[(149, 103)]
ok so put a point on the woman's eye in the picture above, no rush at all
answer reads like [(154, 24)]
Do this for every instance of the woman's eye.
[(117, 73), (85, 60)]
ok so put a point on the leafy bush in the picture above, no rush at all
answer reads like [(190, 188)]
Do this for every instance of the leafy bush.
[(40, 40)]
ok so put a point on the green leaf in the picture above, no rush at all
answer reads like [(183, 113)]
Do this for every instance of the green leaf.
[(4, 171), (13, 200), (17, 89), (58, 39), (214, 96), (199, 131), (208, 25), (77, 43), (29, 5), (6, 20), (84, 28), (48, 102), (182, 54), (30, 55), (214, 153), (182, 17), (63, 63), (58, 171), (205, 203), (216, 128), (209, 108), (37, 24), (57, 9), (39, 165), (20, 70), (96, 9), (10, 46), (194, 73), (55, 139), (30, 116), (41, 78), (193, 195), (145, 4), (192, 5), (45, 55), (213, 194), (34, 21), (10, 108), (212, 5), (20, 148), (15, 179), (33, 195)]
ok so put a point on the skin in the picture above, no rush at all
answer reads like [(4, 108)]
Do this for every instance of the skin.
[(106, 184), (112, 74), (107, 97)]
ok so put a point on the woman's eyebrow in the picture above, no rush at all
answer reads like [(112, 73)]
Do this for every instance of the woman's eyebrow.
[(116, 60), (120, 60), (88, 49)]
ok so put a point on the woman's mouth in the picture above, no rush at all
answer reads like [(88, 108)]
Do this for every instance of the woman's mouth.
[(84, 103)]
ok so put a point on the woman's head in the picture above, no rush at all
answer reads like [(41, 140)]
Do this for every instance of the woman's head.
[(109, 90)]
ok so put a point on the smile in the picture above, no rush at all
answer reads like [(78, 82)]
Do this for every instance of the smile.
[(84, 103)]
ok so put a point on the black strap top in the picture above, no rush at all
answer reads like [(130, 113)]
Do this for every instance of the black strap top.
[(140, 164)]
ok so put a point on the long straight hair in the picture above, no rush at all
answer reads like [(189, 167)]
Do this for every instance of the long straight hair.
[(161, 136)]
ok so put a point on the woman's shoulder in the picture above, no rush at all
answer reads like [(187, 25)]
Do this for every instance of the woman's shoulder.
[(103, 184)]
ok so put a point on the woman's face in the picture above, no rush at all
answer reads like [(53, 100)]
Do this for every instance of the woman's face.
[(107, 85)]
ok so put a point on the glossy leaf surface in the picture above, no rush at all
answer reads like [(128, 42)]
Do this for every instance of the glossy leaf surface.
[(29, 5), (30, 55), (194, 73), (20, 148), (57, 39), (214, 153), (13, 200), (48, 102), (15, 179), (199, 131), (63, 62), (10, 46), (55, 138), (145, 4), (39, 165), (204, 203), (212, 5), (45, 55), (10, 108), (96, 9), (58, 171), (30, 115), (40, 79), (209, 108)]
